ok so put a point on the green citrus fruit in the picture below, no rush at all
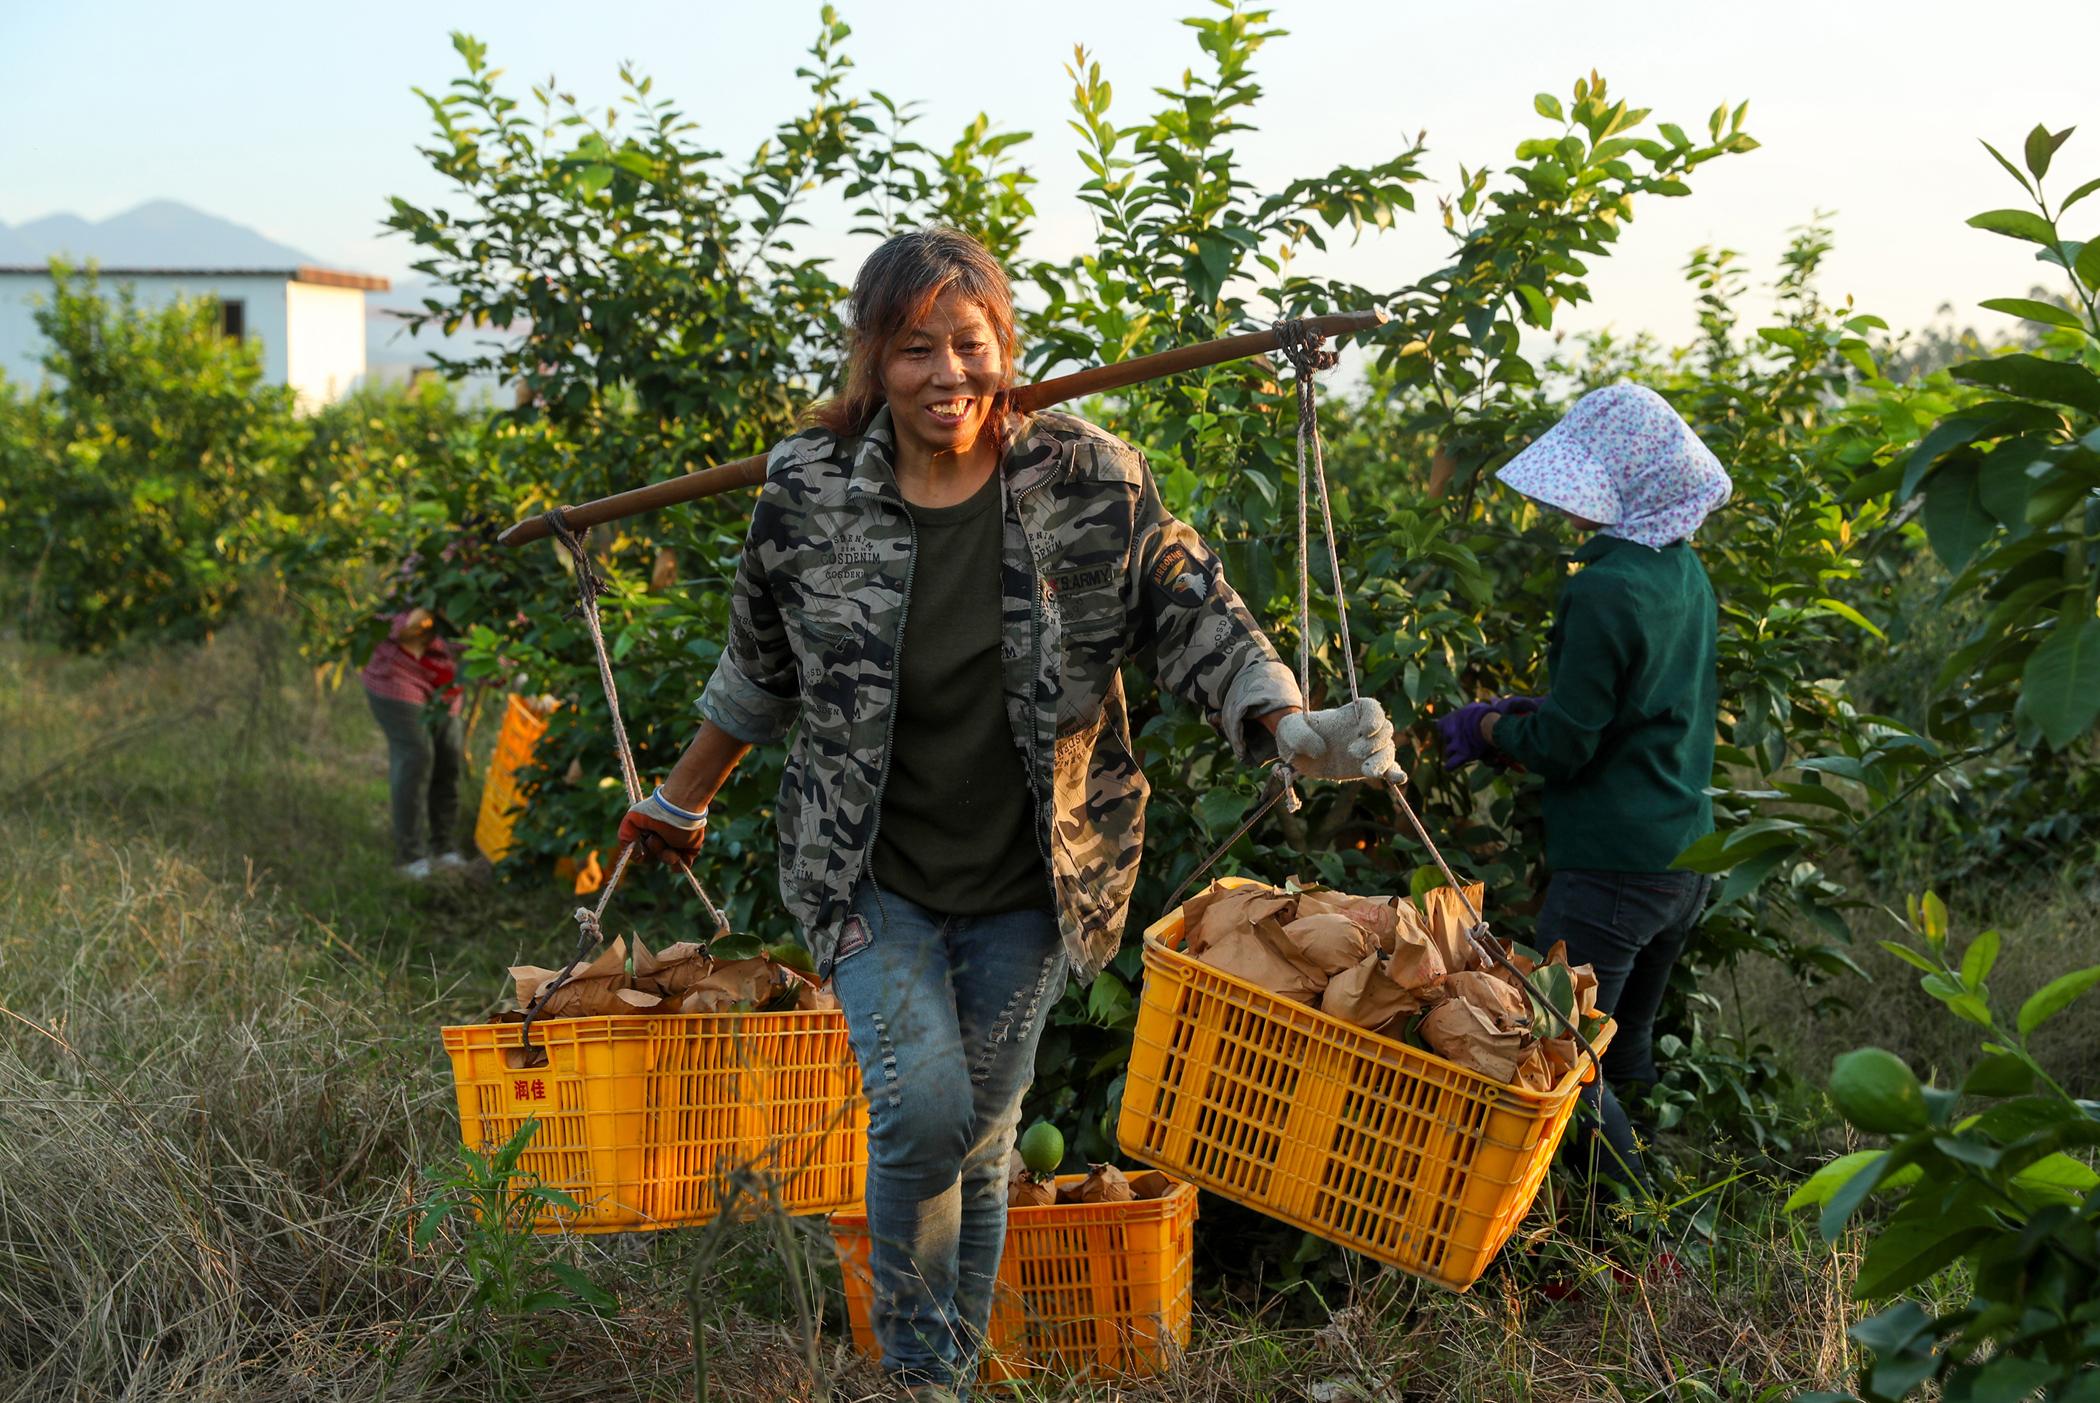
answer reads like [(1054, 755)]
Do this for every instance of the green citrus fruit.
[(1042, 1148), (788, 953), (1876, 1091)]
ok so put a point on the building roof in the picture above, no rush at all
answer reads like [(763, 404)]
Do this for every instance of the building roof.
[(320, 277)]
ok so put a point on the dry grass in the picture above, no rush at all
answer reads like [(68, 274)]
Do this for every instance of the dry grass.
[(2050, 924), (219, 1079)]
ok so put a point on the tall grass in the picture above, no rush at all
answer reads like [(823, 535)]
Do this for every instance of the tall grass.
[(2050, 921), (219, 1078)]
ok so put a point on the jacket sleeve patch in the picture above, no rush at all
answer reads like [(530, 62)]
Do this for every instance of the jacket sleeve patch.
[(1179, 577)]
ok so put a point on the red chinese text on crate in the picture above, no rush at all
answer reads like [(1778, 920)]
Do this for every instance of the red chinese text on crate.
[(1363, 1140), (649, 1121)]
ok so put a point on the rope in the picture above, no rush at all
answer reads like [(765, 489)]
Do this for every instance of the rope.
[(1278, 785), (589, 929), (1304, 349), (1308, 354)]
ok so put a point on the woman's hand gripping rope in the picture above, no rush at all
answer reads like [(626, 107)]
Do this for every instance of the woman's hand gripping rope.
[(656, 828)]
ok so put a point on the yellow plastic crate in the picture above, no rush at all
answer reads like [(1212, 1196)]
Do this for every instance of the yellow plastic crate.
[(1360, 1139), (1084, 1288), (648, 1120), (501, 801)]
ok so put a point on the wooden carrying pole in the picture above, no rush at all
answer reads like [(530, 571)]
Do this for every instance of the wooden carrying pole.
[(1027, 399)]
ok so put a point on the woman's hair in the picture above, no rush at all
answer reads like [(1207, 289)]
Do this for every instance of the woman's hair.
[(894, 291)]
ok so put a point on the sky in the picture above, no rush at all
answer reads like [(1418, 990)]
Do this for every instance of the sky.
[(300, 120)]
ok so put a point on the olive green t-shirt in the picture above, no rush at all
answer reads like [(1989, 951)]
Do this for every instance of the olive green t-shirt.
[(957, 832)]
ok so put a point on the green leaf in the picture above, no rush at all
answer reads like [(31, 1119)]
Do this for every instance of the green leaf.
[(1748, 876), (1108, 1002), (1955, 520), (2054, 492), (1537, 304), (2041, 145), (1910, 957), (2000, 1074), (735, 947), (2029, 1115), (2058, 382), (1969, 1008), (1847, 1196), (2016, 224), (2003, 485), (1822, 1185), (2055, 996), (2010, 169), (553, 1198), (2076, 195), (1954, 431), (2035, 311), (431, 1224), (2060, 686), (1977, 960), (582, 1287), (2012, 1378), (2057, 1176), (1558, 988), (1851, 615), (1548, 106), (1895, 1329), (2087, 264), (1901, 1339), (1907, 1253), (1219, 809)]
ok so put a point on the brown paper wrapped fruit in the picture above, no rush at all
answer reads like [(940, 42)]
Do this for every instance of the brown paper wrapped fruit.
[(1402, 970), (629, 978)]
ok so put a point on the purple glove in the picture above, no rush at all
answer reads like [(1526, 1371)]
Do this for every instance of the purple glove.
[(1460, 730)]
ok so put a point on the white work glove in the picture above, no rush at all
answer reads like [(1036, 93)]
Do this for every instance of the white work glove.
[(1342, 743)]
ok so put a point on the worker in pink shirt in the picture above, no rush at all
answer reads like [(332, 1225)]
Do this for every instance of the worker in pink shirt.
[(412, 686)]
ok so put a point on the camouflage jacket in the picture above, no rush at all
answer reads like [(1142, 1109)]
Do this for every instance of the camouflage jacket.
[(1095, 571)]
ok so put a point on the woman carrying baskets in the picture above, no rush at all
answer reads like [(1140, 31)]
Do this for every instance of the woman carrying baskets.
[(937, 597), (1625, 738)]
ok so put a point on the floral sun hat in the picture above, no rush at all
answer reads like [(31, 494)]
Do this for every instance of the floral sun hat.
[(1624, 459)]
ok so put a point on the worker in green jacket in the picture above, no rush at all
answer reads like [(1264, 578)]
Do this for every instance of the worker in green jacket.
[(1625, 738)]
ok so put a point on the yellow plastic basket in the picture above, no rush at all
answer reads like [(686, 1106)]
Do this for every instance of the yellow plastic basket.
[(1360, 1139), (654, 1121), (1100, 1288), (501, 801)]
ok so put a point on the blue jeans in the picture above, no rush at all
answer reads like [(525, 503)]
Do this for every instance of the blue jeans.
[(423, 749), (944, 1013), (1631, 926)]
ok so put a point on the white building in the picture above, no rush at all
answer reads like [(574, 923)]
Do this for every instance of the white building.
[(311, 321)]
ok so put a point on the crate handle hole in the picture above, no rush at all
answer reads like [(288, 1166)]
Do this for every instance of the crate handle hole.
[(522, 1058)]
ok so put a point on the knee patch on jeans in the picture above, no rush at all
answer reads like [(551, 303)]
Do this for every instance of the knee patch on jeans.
[(886, 1052), (1023, 1007)]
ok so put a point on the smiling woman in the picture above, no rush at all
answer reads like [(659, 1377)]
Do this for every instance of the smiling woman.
[(934, 339), (937, 596)]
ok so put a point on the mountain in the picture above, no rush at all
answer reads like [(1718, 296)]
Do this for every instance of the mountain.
[(157, 234)]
